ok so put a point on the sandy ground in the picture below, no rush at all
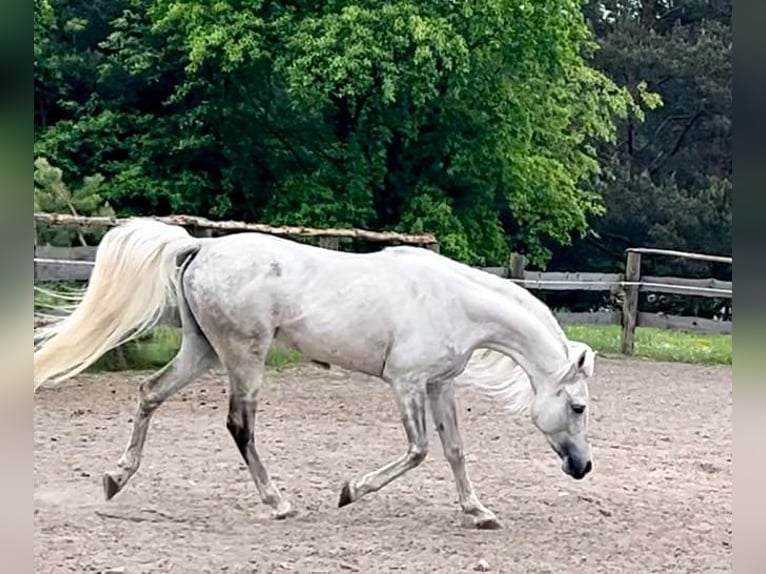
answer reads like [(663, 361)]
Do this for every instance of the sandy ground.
[(659, 498)]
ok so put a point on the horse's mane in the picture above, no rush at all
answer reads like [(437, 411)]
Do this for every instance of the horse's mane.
[(504, 287), (495, 374), (498, 377)]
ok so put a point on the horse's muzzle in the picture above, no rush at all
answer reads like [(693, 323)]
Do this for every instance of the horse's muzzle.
[(575, 468)]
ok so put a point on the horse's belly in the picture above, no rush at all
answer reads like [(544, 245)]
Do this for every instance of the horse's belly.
[(358, 350)]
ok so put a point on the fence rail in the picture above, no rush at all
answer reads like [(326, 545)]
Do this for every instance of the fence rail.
[(75, 264), (209, 226), (682, 254)]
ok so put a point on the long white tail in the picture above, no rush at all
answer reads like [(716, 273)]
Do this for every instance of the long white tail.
[(133, 277)]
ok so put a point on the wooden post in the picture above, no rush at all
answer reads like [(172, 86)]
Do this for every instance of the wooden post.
[(516, 266), (630, 302), (203, 232), (329, 242)]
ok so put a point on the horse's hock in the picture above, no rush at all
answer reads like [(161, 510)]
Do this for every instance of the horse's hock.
[(659, 497)]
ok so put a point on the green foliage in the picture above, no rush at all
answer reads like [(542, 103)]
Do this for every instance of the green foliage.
[(430, 211), (475, 121), (158, 347), (52, 195), (666, 214), (666, 179), (44, 25)]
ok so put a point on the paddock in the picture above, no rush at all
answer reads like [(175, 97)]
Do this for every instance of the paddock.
[(659, 498)]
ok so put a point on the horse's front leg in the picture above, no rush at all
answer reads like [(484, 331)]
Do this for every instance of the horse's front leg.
[(441, 397), (411, 400)]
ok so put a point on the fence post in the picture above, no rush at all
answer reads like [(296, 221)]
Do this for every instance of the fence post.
[(516, 266), (630, 302), (205, 232)]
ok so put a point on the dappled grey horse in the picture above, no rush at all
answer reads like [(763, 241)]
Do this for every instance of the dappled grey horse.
[(421, 322)]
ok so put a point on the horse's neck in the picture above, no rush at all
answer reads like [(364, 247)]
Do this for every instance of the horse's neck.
[(509, 290), (510, 328)]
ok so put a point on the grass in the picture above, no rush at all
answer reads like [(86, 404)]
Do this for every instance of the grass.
[(657, 344), (156, 349)]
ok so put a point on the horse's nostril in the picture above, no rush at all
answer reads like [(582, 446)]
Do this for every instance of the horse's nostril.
[(588, 467)]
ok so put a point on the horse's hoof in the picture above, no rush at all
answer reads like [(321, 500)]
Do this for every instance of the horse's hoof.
[(111, 486), (488, 524), (285, 510), (345, 496)]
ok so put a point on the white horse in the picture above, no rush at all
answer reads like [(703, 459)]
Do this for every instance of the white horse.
[(421, 322)]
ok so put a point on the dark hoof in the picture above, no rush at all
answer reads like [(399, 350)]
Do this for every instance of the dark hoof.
[(345, 496), (488, 524), (110, 487)]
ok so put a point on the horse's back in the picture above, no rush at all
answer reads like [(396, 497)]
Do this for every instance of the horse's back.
[(339, 308)]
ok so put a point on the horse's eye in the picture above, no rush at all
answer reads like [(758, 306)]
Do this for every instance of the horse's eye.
[(578, 409)]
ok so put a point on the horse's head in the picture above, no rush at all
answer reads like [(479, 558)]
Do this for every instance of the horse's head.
[(560, 412)]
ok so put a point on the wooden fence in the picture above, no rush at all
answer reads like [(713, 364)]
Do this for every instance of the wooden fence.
[(75, 264), (205, 227), (627, 286)]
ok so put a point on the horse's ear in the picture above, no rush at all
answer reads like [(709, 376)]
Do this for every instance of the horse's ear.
[(583, 358), (586, 361)]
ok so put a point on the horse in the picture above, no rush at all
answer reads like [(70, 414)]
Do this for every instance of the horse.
[(422, 323)]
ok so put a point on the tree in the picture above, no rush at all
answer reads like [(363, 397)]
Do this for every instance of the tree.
[(52, 195), (477, 121), (669, 178)]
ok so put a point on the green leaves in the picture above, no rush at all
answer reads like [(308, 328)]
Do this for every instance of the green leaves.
[(673, 154), (476, 121), (52, 195), (390, 52), (225, 34), (44, 26), (429, 211)]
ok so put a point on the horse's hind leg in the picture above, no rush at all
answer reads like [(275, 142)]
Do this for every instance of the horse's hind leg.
[(246, 364), (441, 397), (193, 359)]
